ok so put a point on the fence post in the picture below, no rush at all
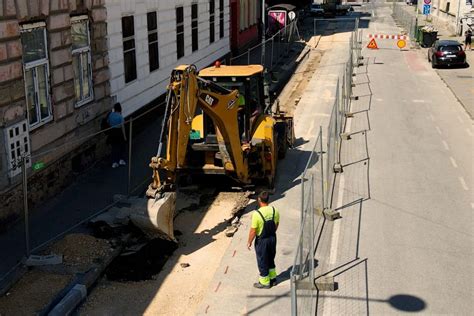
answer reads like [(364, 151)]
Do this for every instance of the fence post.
[(25, 204), (129, 176), (271, 55), (322, 164), (314, 27), (294, 304)]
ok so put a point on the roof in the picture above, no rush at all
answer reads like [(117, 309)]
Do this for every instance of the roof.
[(284, 6), (231, 71), (448, 42)]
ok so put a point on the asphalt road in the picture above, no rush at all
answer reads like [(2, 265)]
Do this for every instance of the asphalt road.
[(405, 242)]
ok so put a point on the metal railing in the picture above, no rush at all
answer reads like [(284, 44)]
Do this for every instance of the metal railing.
[(91, 192), (317, 183), (277, 47), (406, 19)]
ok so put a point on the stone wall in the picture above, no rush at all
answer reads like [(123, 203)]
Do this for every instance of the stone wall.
[(57, 142)]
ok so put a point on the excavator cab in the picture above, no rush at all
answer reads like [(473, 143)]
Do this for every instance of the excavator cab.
[(248, 80)]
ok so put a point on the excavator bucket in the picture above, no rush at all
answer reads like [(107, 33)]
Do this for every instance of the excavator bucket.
[(155, 218)]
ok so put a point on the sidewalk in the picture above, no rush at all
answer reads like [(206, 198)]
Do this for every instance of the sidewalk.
[(231, 291)]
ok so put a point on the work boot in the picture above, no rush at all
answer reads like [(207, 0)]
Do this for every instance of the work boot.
[(259, 285), (273, 282)]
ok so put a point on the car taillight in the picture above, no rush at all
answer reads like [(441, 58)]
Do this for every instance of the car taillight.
[(439, 54), (461, 53)]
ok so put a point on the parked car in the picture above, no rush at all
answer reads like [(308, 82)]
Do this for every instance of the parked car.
[(446, 52), (316, 9)]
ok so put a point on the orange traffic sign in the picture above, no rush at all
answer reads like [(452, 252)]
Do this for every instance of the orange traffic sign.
[(401, 44), (372, 44)]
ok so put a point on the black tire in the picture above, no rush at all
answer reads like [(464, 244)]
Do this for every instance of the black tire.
[(433, 64)]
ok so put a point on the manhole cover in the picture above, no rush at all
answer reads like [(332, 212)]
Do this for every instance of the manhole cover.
[(464, 76)]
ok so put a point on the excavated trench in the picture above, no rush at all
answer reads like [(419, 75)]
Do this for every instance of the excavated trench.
[(143, 258)]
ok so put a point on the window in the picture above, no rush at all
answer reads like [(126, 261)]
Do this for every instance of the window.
[(36, 73), (194, 26), (179, 32), (221, 18), (212, 31), (129, 59), (153, 56), (81, 60)]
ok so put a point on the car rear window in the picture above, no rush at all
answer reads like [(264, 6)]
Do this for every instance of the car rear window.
[(450, 48)]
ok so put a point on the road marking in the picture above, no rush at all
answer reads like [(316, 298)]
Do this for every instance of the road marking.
[(472, 205), (463, 183), (438, 130), (453, 162), (337, 224), (468, 130), (432, 117), (418, 101), (445, 144)]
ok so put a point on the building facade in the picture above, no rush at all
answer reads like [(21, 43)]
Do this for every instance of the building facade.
[(53, 88), (451, 14), (148, 38), (245, 23)]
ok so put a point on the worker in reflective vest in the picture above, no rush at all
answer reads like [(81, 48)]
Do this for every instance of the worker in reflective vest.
[(265, 222)]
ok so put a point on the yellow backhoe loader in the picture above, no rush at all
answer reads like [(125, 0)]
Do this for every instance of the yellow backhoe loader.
[(214, 123)]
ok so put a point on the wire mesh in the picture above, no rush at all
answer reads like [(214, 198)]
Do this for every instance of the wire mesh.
[(86, 184), (276, 47), (317, 182)]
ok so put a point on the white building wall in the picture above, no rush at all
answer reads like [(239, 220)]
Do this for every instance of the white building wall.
[(148, 86)]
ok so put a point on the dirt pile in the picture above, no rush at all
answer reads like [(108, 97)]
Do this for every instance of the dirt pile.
[(81, 250)]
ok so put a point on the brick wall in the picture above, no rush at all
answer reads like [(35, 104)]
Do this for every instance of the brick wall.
[(69, 123)]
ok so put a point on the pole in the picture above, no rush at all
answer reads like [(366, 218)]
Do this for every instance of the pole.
[(248, 56), (129, 176), (271, 55), (263, 32), (266, 85), (25, 205)]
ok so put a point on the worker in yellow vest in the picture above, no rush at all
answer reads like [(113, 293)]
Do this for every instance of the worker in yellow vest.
[(265, 222)]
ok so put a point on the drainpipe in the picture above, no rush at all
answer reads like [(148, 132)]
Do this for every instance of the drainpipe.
[(458, 28)]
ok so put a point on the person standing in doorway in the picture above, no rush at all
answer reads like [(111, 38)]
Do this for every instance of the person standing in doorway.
[(117, 137), (467, 39), (265, 222)]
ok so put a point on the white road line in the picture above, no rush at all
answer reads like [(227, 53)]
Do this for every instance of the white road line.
[(472, 205), (337, 224), (418, 101), (468, 130), (463, 183), (445, 144), (438, 130), (453, 162), (432, 117)]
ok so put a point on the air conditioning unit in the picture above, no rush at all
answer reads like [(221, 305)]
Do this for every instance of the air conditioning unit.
[(17, 140)]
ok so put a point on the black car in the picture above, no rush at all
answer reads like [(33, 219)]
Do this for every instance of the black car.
[(446, 52)]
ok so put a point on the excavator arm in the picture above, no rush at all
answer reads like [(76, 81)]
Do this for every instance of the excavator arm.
[(187, 93)]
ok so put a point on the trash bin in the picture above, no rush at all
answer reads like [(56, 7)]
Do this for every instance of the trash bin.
[(428, 38), (419, 33)]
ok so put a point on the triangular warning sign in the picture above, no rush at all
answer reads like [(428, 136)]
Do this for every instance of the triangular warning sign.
[(372, 44)]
